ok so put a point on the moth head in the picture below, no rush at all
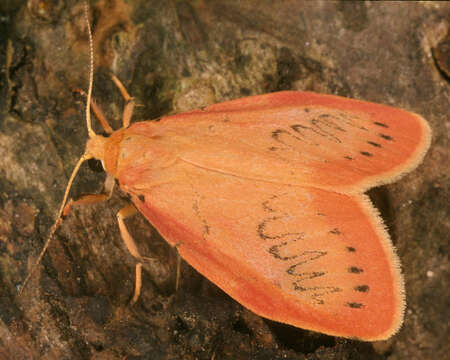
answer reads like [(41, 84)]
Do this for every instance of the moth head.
[(95, 147)]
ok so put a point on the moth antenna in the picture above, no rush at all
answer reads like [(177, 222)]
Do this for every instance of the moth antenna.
[(83, 158), (91, 72), (58, 219)]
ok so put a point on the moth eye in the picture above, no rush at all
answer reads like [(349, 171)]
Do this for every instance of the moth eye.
[(96, 165)]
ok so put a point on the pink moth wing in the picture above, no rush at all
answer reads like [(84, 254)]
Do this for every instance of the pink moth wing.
[(264, 197)]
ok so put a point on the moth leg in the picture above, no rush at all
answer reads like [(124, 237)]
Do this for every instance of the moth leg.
[(177, 281), (98, 113), (138, 285), (129, 102), (92, 198), (124, 213)]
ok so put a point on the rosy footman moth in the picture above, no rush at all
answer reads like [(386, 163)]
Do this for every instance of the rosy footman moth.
[(264, 196)]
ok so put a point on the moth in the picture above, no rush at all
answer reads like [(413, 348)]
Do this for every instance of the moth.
[(264, 196)]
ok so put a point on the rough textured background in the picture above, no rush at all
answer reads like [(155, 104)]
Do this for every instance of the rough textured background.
[(176, 55)]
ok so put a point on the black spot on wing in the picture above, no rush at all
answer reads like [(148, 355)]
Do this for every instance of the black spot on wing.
[(362, 288), (141, 197), (381, 124), (355, 305), (335, 231), (374, 144), (351, 249), (365, 153), (386, 137), (355, 270)]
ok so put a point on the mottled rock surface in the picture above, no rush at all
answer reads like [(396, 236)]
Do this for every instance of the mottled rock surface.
[(173, 56)]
